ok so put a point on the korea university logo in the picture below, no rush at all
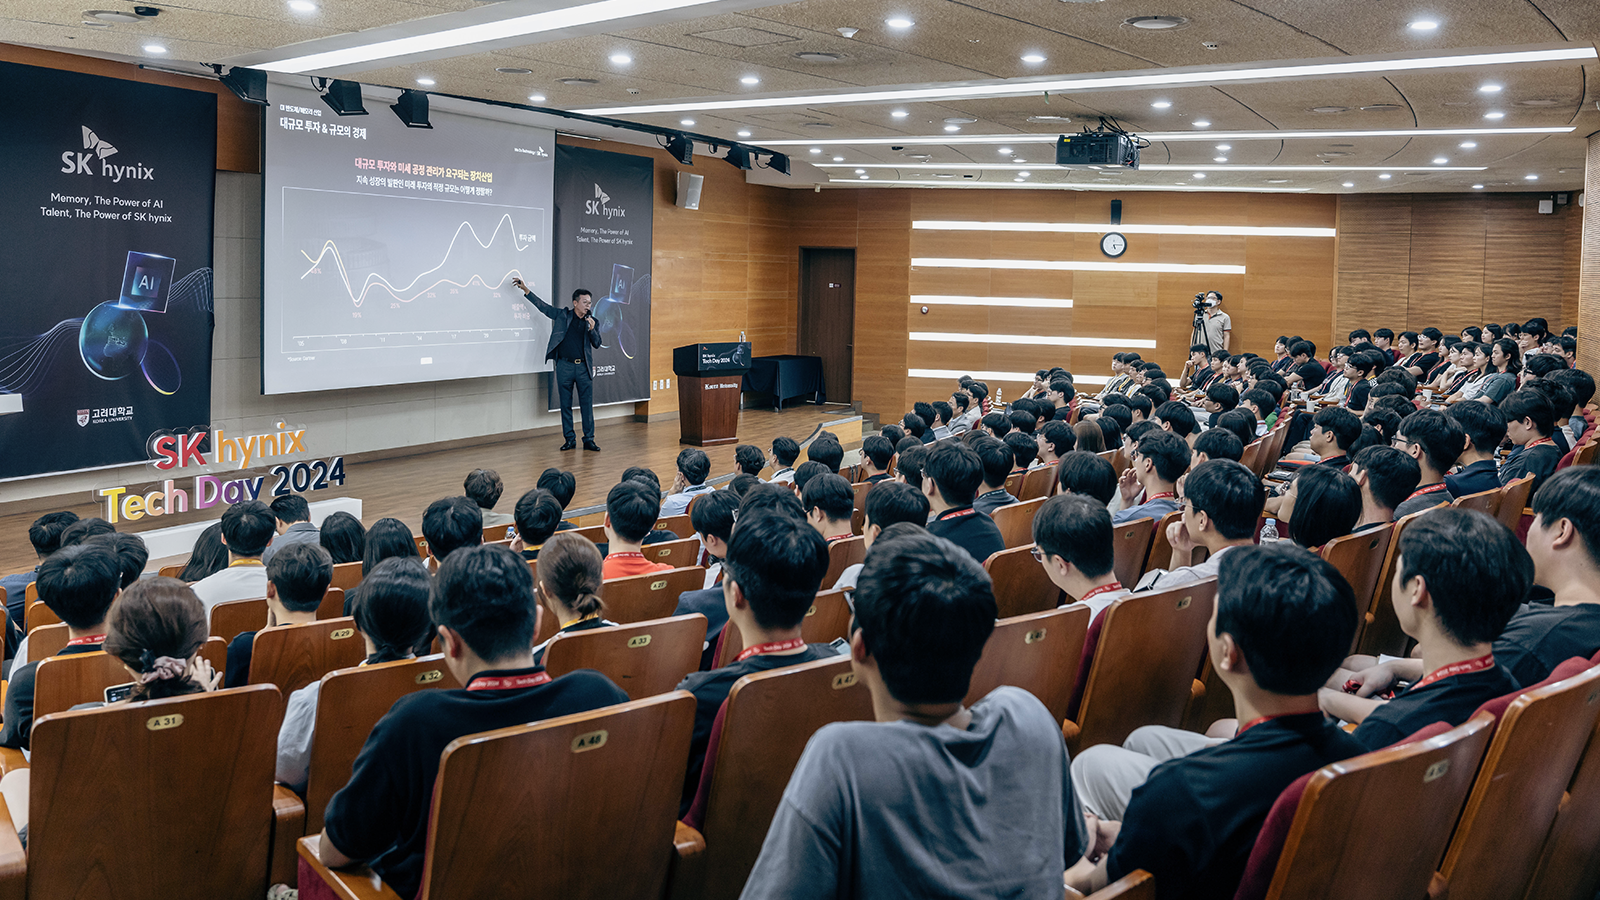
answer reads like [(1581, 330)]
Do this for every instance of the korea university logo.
[(83, 418)]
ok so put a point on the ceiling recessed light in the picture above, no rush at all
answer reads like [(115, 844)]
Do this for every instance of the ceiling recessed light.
[(749, 79), (685, 121), (1277, 181), (1494, 115), (1005, 151), (1349, 184), (1330, 109), (579, 82), (1224, 146), (818, 56), (513, 70), (861, 171), (536, 98), (1199, 174), (112, 15), (1423, 25), (1385, 176), (154, 48), (1440, 160), (952, 128), (426, 82), (302, 6), (1468, 145), (1490, 89), (1032, 58), (1023, 174), (864, 177), (899, 22), (899, 114), (1381, 107), (1161, 104), (1018, 159), (1156, 23), (621, 59), (744, 133), (1219, 159), (816, 149), (838, 159), (1530, 178), (959, 120), (1201, 123), (1477, 187)]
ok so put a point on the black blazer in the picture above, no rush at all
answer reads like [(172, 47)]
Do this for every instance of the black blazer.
[(560, 320)]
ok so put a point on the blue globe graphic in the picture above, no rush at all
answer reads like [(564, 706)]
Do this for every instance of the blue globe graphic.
[(112, 341)]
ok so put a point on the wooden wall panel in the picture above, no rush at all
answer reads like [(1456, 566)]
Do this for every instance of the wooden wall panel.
[(1588, 303)]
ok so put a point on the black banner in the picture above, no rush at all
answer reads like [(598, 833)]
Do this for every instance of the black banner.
[(604, 205), (106, 204)]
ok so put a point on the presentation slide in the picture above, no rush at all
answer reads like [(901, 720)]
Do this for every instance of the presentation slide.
[(388, 252)]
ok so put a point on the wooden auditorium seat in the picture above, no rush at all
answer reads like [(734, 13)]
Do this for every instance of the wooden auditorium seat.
[(828, 618), (860, 489), (1513, 499), (654, 595), (1405, 800), (493, 533), (349, 704), (234, 617), (1013, 484), (332, 606), (1486, 502), (596, 533), (761, 730), (1378, 630), (150, 801), (1015, 521), (502, 806), (678, 525), (172, 571), (1131, 544), (1160, 547), (1136, 885), (36, 614), (1143, 655), (677, 554), (1021, 585), (1255, 453), (643, 658), (62, 682), (346, 575), (1569, 864), (1037, 483), (1359, 558), (842, 555), (1038, 652), (46, 641), (293, 656)]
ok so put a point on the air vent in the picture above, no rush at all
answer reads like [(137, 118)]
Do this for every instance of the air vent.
[(1341, 145), (1277, 181), (1334, 154), (1381, 107), (513, 70), (816, 124), (1330, 109), (959, 120), (112, 16), (579, 82), (744, 37), (1543, 101), (819, 57), (1156, 23), (1040, 120)]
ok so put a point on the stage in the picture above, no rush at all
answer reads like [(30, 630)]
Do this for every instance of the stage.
[(403, 486)]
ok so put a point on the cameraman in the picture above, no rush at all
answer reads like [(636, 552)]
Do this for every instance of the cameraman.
[(1212, 327)]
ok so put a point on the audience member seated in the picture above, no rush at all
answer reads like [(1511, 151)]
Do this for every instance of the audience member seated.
[(1176, 416), (1158, 460), (632, 509), (563, 485), (748, 460), (1217, 443), (1560, 409), (1484, 428), (1187, 808), (773, 570), (1529, 422), (712, 519), (951, 474), (1055, 440), (484, 609), (892, 504), (209, 556), (449, 524), (1306, 373), (1459, 577), (292, 524), (943, 412), (1090, 435), (694, 466), (909, 459), (78, 584), (568, 587), (1259, 402), (1386, 478), (808, 470), (297, 579), (84, 529), (1435, 441), (537, 516), (246, 529), (484, 487), (876, 454), (386, 539), (391, 612), (45, 536), (911, 804), (1320, 504), (1072, 538), (996, 424), (343, 536), (1581, 385), (1222, 501), (829, 502), (785, 450), (917, 427), (1025, 448), (1082, 472), (996, 458)]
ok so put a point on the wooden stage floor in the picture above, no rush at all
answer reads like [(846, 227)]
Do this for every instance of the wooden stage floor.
[(403, 486)]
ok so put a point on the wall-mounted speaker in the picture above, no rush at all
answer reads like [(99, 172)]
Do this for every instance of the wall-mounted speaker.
[(689, 190)]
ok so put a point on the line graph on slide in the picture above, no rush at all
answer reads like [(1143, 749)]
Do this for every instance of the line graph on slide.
[(375, 271)]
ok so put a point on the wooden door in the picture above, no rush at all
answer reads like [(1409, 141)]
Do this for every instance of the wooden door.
[(828, 315)]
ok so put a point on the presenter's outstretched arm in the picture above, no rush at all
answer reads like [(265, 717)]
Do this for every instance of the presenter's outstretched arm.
[(550, 311)]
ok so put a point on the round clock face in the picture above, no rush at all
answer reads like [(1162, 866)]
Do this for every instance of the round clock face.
[(1113, 244)]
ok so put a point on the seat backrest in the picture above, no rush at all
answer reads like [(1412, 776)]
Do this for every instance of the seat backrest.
[(1378, 630), (1131, 543), (1486, 502), (614, 840), (47, 640), (596, 533), (346, 575), (842, 555), (332, 606), (1015, 521), (234, 617), (769, 718), (653, 595), (349, 703), (677, 554), (1013, 484), (1359, 558), (36, 614), (62, 682), (642, 658), (492, 533), (1405, 796), (148, 801), (1529, 763), (1279, 435), (1037, 482), (1038, 652), (1569, 867), (293, 656), (1020, 584), (1160, 547), (1255, 453), (1585, 454), (827, 619), (861, 489), (1144, 666), (1136, 885), (172, 571), (1513, 497), (678, 525)]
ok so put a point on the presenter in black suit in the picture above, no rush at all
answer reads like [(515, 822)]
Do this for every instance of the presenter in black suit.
[(572, 341)]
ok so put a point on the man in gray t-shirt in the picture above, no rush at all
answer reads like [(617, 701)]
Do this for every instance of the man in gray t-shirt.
[(932, 799)]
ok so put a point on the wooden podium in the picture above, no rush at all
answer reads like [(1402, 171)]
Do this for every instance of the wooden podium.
[(710, 380)]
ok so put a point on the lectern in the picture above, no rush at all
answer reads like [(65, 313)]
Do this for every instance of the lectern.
[(709, 379)]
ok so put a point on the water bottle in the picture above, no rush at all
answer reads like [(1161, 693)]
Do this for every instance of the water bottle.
[(741, 337)]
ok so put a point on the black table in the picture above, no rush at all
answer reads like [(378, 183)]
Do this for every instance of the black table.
[(786, 376)]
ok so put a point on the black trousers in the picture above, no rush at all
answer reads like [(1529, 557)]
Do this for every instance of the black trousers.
[(570, 377)]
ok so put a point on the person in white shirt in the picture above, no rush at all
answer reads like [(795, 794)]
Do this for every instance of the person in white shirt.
[(1222, 500), (693, 468), (785, 450), (1072, 541), (247, 528), (484, 487), (893, 507)]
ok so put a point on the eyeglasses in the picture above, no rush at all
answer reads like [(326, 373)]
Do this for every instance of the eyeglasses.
[(1397, 442), (1037, 553)]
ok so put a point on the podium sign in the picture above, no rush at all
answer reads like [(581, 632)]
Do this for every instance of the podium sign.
[(710, 378)]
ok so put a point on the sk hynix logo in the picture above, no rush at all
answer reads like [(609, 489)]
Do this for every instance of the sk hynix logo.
[(598, 207), (97, 148)]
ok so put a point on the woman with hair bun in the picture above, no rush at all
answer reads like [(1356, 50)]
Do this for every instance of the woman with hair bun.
[(568, 585)]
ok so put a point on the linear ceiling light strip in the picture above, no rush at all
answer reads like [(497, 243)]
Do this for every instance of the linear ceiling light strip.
[(1037, 340), (1086, 228), (1148, 167), (1008, 302), (953, 374), (1069, 265), (1059, 186), (1167, 136)]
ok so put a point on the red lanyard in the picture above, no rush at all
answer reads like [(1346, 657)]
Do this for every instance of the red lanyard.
[(1485, 661), (1257, 721), (1430, 489), (91, 639), (491, 683), (841, 537), (1533, 444), (1164, 495), (628, 555), (1098, 591), (956, 514), (774, 647)]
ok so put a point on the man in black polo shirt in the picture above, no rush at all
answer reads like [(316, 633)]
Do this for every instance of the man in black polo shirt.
[(484, 608), (774, 567), (1529, 421), (1459, 578), (1386, 477), (78, 584), (951, 473), (1485, 428), (996, 458), (1282, 621), (1434, 440)]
